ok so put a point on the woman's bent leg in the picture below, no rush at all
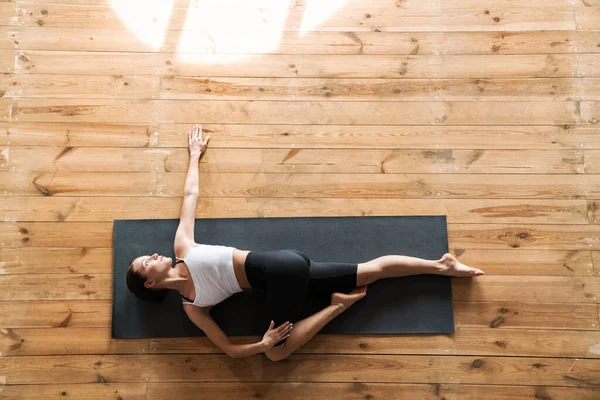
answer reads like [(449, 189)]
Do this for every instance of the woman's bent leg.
[(306, 329)]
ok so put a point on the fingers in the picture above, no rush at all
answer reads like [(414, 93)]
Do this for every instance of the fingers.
[(271, 326), (284, 329)]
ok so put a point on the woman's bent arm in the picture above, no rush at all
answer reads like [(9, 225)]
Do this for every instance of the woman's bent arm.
[(202, 319)]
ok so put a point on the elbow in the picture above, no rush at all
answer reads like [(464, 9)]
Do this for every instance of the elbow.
[(232, 354)]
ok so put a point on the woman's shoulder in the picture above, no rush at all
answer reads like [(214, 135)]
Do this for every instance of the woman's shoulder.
[(182, 251)]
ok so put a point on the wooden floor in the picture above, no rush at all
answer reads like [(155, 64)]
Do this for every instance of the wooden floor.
[(487, 112)]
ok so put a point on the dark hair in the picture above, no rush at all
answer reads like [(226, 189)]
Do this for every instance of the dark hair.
[(135, 283)]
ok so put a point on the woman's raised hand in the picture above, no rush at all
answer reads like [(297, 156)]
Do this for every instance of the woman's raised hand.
[(197, 145), (274, 336)]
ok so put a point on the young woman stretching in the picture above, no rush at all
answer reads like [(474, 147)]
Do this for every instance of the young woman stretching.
[(205, 275)]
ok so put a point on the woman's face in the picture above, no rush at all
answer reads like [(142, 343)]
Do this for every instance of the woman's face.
[(154, 268)]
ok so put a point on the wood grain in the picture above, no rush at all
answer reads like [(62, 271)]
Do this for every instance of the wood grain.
[(486, 211), (512, 137), (465, 341), (241, 185), (298, 113), (241, 20), (372, 43), (319, 42), (306, 66), (315, 161), (498, 315), (296, 390), (314, 368)]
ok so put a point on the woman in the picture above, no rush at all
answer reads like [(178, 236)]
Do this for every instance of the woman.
[(205, 275)]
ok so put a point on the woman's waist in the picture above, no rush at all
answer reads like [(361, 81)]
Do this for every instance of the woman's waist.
[(239, 268)]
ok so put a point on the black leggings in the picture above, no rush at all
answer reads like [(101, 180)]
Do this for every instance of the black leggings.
[(287, 276)]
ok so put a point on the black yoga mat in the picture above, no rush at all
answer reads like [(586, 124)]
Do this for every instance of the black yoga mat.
[(416, 304)]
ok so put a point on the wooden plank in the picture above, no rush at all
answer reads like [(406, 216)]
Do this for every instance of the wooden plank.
[(57, 287), (413, 137), (43, 234), (242, 20), (587, 18), (7, 60), (68, 134), (5, 109), (129, 391), (78, 183), (315, 161), (466, 341), (40, 260), (498, 315), (297, 113), (97, 314), (462, 236), (69, 86), (330, 43), (303, 136), (542, 237), (91, 209), (385, 186), (527, 289), (347, 391), (527, 262), (407, 4), (590, 112), (296, 89), (592, 161), (292, 391), (8, 12), (71, 341), (596, 261), (588, 65), (451, 186), (307, 66), (317, 368)]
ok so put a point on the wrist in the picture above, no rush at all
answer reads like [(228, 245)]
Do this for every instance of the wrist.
[(263, 346)]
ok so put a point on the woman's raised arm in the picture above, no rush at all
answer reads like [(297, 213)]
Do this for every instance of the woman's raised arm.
[(184, 238)]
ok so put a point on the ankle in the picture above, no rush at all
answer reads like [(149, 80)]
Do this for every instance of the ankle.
[(441, 268)]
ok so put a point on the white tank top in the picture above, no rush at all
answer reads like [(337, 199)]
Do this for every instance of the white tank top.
[(211, 268)]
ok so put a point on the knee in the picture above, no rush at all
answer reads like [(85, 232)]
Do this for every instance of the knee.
[(277, 353), (369, 272)]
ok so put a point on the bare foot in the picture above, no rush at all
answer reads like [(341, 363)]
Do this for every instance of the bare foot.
[(346, 300), (454, 268)]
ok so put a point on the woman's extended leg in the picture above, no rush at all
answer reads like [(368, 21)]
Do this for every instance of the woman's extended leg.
[(394, 266), (306, 329)]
